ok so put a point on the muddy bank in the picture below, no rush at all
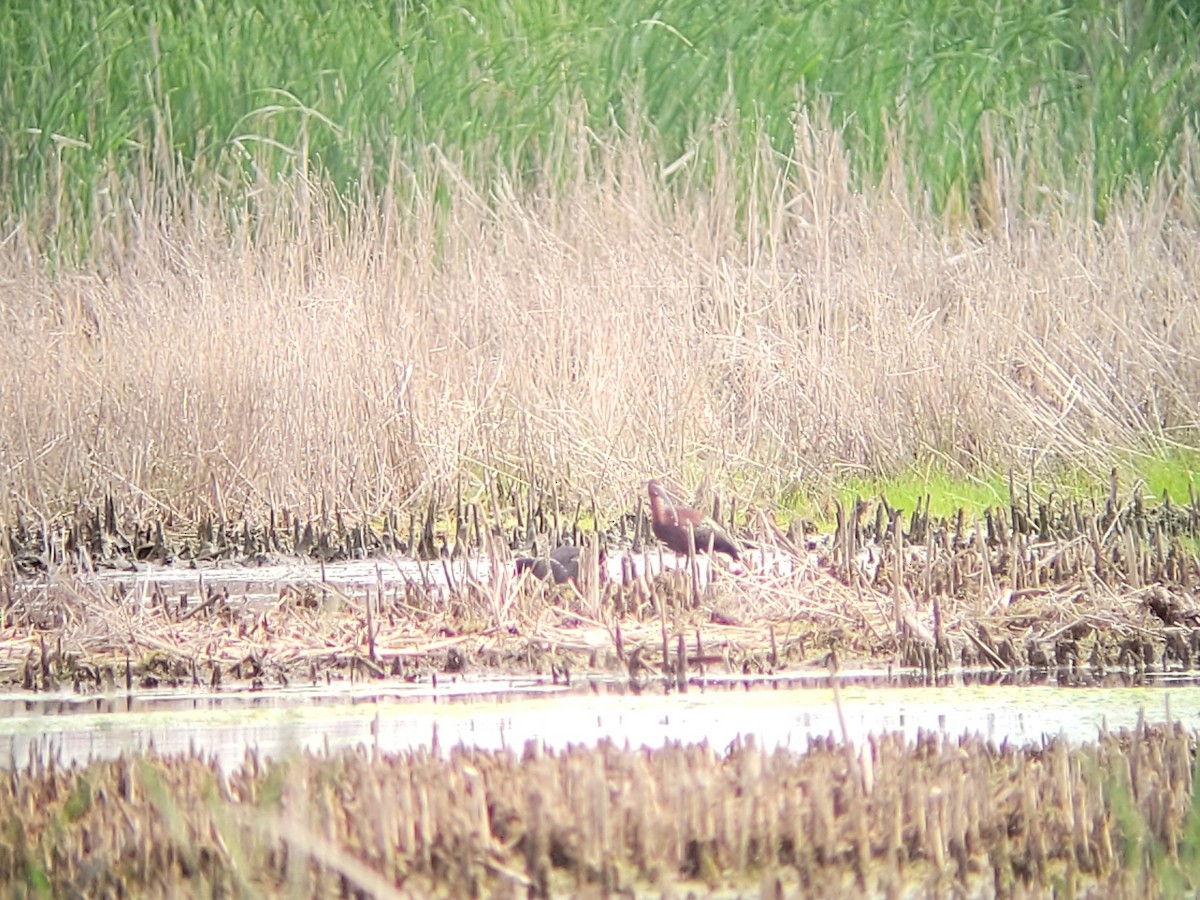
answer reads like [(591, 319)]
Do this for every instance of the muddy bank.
[(1078, 591), (885, 818)]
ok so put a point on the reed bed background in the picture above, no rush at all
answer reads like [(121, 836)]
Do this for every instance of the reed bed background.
[(234, 280)]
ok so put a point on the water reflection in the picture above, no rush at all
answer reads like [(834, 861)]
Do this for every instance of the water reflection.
[(263, 582), (780, 711)]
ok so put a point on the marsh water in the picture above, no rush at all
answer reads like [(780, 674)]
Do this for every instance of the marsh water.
[(267, 580), (493, 712), (508, 713)]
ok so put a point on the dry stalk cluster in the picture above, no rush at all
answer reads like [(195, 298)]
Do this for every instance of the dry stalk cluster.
[(1060, 584), (888, 818), (1070, 588), (96, 538)]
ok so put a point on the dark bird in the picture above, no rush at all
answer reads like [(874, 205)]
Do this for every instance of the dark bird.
[(672, 521), (562, 564)]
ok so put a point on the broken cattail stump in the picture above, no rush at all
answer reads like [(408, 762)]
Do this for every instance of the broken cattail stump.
[(427, 549), (1014, 556), (370, 626), (477, 527), (939, 642), (841, 560), (987, 586), (1133, 560), (643, 593), (575, 521), (449, 573), (897, 571), (680, 664), (463, 552), (556, 512), (1111, 506), (929, 566), (628, 571), (693, 567), (1097, 552), (459, 516), (666, 645), (1013, 509), (849, 542)]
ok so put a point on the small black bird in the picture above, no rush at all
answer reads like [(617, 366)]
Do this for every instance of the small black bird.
[(562, 565)]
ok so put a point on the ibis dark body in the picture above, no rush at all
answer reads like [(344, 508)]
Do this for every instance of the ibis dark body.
[(560, 565), (671, 523)]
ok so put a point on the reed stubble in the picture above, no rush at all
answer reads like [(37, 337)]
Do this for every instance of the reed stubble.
[(890, 817)]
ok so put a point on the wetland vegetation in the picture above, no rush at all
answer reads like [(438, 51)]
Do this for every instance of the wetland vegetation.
[(1076, 589), (346, 276), (935, 817), (438, 282)]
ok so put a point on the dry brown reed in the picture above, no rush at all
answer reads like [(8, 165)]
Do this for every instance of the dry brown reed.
[(303, 351), (938, 817)]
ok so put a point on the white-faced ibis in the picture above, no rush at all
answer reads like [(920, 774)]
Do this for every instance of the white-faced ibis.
[(671, 523), (561, 565)]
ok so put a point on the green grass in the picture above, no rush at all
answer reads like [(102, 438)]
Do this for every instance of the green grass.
[(1089, 97), (1176, 476), (948, 492)]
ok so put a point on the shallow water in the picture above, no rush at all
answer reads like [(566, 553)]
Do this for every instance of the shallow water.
[(785, 712), (249, 581)]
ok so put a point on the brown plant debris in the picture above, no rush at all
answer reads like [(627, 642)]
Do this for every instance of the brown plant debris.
[(1069, 588)]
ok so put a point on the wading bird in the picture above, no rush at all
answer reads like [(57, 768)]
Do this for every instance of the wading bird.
[(671, 523), (561, 565)]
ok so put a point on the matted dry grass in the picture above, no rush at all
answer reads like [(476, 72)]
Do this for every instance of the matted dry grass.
[(1080, 592), (298, 351)]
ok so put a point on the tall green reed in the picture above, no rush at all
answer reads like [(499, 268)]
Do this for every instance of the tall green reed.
[(1089, 97)]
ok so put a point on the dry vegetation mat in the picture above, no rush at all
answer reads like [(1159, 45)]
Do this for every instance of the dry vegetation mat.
[(1078, 588), (888, 818)]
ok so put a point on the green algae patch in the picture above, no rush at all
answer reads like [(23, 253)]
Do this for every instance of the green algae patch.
[(1175, 476), (942, 491)]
